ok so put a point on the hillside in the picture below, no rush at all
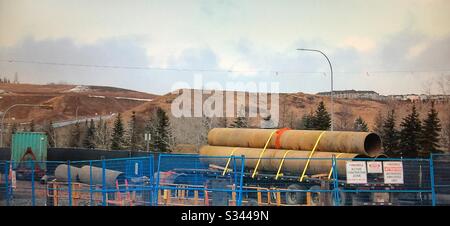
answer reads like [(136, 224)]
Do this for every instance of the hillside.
[(65, 99), (99, 100), (294, 105)]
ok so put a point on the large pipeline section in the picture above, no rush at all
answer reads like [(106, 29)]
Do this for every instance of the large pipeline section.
[(97, 176), (62, 173), (83, 175), (364, 143), (294, 163)]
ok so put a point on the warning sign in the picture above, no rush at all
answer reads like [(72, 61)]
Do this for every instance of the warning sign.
[(374, 167), (393, 172), (356, 172)]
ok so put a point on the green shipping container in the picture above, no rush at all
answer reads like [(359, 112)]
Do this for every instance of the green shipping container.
[(27, 146)]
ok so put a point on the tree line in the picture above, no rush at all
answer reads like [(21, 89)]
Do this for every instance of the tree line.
[(411, 138), (320, 119), (125, 136), (414, 138)]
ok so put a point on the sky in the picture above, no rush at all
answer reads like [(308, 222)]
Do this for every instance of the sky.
[(389, 46)]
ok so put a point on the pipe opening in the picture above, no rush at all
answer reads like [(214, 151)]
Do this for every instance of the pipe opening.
[(381, 156), (372, 144), (361, 156)]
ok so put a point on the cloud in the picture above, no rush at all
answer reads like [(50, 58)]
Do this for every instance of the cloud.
[(362, 44), (114, 52), (407, 50)]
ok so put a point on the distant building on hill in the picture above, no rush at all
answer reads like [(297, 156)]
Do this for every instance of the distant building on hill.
[(372, 95), (354, 94)]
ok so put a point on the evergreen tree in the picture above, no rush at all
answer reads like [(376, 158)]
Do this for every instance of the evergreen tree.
[(390, 134), (306, 122), (75, 135), (160, 132), (322, 119), (430, 131), (13, 128), (32, 129), (378, 125), (50, 132), (240, 121), (410, 134), (117, 140), (133, 133), (89, 137), (360, 125)]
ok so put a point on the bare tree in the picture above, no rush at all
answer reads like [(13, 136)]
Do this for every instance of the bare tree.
[(444, 84), (344, 116), (445, 133), (102, 135)]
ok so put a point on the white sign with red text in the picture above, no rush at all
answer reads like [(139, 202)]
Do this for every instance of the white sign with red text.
[(374, 167), (356, 172), (393, 172)]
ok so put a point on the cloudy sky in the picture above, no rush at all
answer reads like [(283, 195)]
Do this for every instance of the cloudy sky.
[(390, 46)]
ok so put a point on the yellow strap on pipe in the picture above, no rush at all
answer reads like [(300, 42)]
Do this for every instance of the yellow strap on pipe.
[(281, 164), (260, 155), (228, 162), (331, 170), (310, 154)]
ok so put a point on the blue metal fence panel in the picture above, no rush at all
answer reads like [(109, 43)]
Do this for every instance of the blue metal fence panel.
[(228, 180)]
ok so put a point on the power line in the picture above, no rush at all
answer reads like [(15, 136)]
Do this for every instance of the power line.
[(276, 72), (153, 68)]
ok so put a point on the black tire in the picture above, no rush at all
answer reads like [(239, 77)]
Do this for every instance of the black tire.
[(361, 198), (296, 197), (343, 199), (315, 196)]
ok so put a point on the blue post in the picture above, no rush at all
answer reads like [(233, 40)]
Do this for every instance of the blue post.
[(235, 175), (152, 179), (433, 192), (8, 185), (90, 184), (241, 182), (33, 195), (234, 170), (157, 181), (7, 188), (104, 182), (335, 182), (69, 183)]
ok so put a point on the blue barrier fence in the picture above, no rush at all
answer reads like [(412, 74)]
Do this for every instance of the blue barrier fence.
[(193, 180)]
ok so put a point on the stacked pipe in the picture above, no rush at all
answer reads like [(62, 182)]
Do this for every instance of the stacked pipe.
[(294, 146)]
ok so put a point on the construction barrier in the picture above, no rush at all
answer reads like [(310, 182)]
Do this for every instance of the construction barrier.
[(198, 180)]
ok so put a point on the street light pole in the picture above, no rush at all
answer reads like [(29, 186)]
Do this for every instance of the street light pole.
[(13, 106), (331, 93)]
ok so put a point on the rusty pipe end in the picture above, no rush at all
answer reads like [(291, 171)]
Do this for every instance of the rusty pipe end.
[(372, 145)]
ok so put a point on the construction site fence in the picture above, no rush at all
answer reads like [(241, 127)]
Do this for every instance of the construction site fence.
[(194, 180)]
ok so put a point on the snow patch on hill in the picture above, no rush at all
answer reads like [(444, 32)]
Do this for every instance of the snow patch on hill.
[(78, 89), (136, 99)]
